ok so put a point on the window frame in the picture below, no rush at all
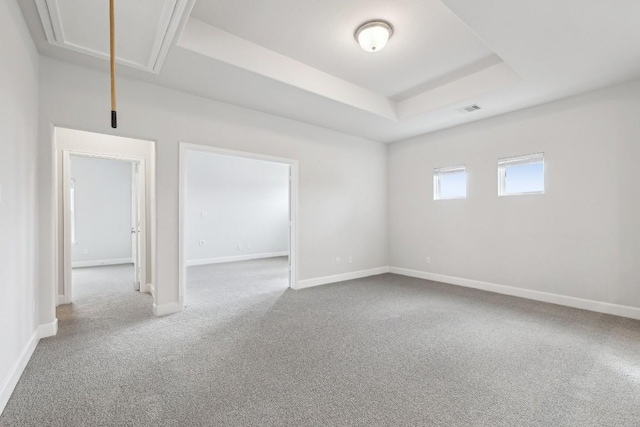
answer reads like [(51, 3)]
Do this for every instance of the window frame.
[(438, 172), (526, 159)]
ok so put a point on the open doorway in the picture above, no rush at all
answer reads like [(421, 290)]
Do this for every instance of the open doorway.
[(105, 221), (106, 216), (237, 224)]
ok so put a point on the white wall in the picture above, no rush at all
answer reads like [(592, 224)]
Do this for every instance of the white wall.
[(343, 186), (103, 210), (85, 142), (580, 239), (246, 206), (18, 211)]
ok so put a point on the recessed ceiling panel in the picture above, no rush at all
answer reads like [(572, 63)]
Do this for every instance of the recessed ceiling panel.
[(428, 41), (144, 28)]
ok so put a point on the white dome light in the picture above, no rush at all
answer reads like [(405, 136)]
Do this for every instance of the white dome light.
[(374, 35)]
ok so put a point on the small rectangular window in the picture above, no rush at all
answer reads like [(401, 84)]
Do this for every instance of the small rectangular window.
[(450, 183), (521, 175)]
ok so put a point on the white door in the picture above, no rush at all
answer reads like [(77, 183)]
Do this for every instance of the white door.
[(137, 224), (135, 250)]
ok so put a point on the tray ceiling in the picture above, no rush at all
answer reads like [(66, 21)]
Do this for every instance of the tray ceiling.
[(429, 41), (298, 59)]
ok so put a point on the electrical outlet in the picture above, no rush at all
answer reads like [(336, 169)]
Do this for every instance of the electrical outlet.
[(248, 245), (350, 260), (202, 242), (338, 261), (85, 251), (204, 214), (428, 260), (239, 246)]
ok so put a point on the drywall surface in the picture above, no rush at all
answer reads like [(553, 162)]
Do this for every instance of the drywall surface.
[(235, 207), (343, 185), (580, 239), (18, 195), (102, 211), (65, 139)]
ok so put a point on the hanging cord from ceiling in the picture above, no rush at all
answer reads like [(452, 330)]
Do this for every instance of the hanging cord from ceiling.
[(112, 47)]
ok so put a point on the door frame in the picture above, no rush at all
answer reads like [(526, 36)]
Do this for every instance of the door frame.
[(67, 255), (182, 190)]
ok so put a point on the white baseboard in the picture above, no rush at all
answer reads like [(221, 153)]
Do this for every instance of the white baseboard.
[(62, 299), (234, 258), (9, 383), (152, 290), (48, 329), (307, 283), (101, 262), (166, 309), (146, 288), (585, 304)]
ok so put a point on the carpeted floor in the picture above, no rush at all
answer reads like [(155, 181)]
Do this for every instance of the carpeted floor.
[(381, 351)]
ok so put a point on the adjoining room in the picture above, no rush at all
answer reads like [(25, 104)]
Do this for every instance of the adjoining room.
[(104, 227), (237, 223)]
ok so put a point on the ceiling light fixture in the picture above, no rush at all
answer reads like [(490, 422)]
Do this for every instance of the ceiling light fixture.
[(374, 35)]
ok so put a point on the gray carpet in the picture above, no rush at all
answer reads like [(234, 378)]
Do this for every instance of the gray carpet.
[(381, 351)]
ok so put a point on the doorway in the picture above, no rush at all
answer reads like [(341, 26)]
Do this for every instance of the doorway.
[(104, 198), (237, 223), (105, 216)]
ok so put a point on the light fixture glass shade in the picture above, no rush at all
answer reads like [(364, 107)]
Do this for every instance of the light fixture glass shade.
[(374, 35)]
